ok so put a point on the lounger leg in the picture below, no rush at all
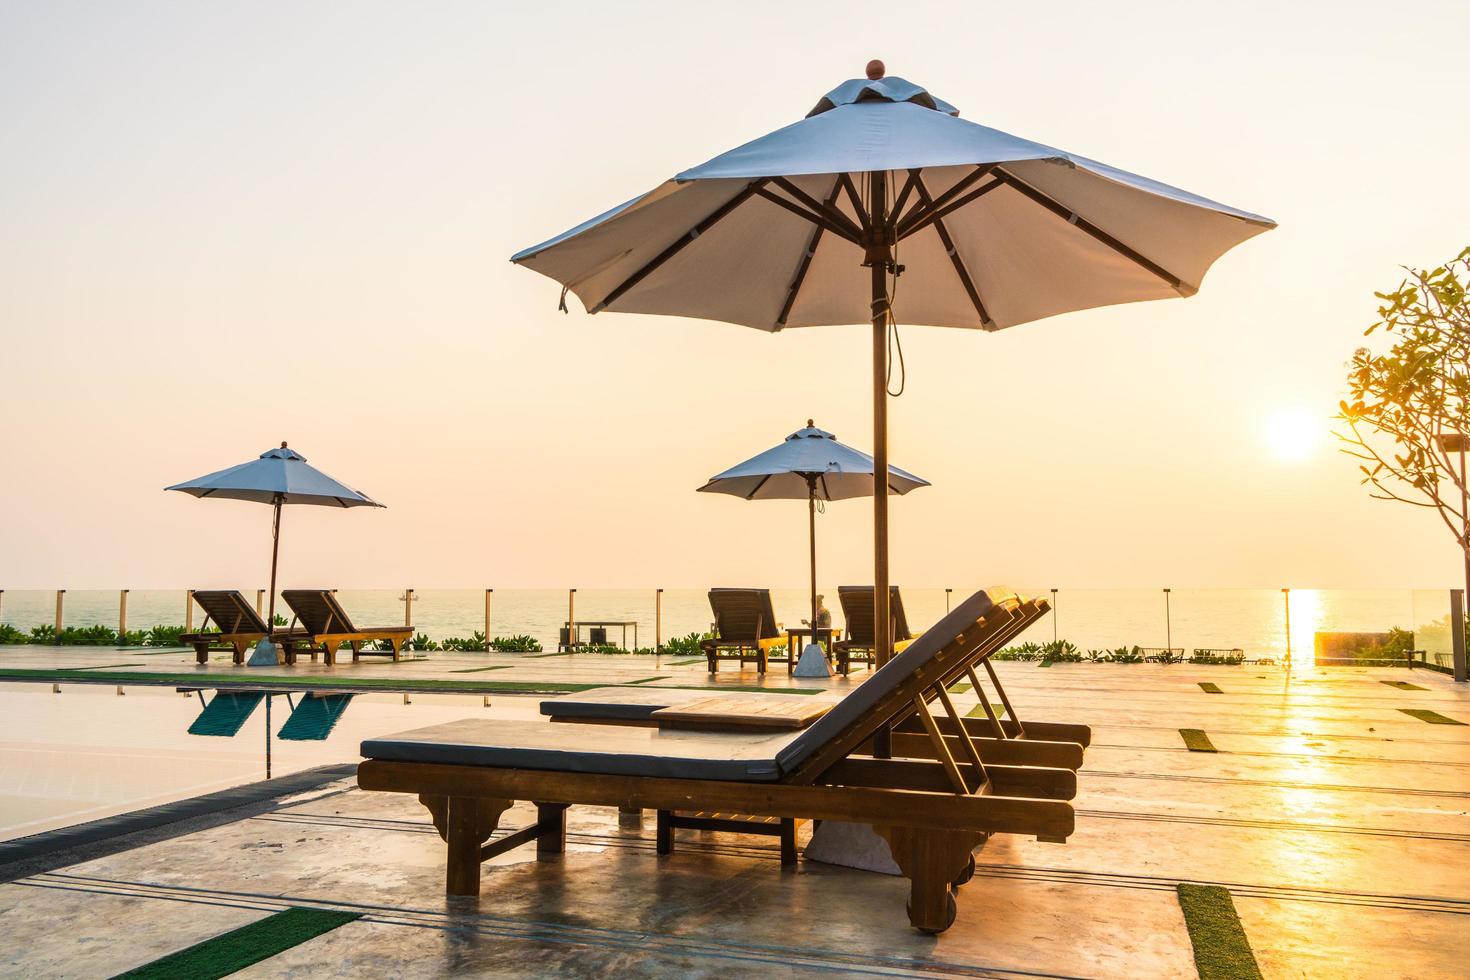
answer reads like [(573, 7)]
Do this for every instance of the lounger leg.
[(665, 843), (329, 654), (552, 819), (357, 651), (201, 653), (932, 860), (788, 842), (465, 823)]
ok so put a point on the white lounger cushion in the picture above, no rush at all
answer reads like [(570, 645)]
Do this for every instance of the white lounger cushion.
[(608, 749)]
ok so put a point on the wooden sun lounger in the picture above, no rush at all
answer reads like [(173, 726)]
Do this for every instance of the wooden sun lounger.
[(240, 627), (933, 813), (327, 625), (743, 617), (857, 615)]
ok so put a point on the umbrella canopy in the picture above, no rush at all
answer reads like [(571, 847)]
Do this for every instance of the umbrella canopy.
[(809, 465), (278, 477), (282, 473), (883, 184)]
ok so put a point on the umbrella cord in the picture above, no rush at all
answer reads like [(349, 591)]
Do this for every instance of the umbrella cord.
[(895, 342), (821, 506)]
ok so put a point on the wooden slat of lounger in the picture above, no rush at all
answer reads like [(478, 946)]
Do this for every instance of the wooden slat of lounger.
[(230, 612), (1050, 819), (738, 711)]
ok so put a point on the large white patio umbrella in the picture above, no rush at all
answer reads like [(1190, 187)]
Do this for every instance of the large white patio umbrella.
[(809, 465), (280, 476), (881, 184)]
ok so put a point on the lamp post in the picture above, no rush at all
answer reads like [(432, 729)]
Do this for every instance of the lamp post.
[(946, 599), (1459, 442), (1054, 615), (1168, 624), (1286, 598)]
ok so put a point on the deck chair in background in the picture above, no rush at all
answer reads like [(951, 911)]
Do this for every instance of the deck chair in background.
[(933, 813), (327, 626), (743, 618), (857, 613), (240, 626)]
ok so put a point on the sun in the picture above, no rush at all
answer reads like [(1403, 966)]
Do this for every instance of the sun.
[(1293, 434)]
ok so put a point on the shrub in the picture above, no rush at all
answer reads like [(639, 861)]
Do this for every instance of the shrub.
[(1060, 652), (520, 643), (87, 636), (422, 643), (43, 634), (9, 634), (1127, 655), (685, 646), (164, 636), (476, 642), (133, 638)]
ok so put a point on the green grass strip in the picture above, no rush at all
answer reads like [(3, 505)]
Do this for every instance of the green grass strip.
[(1196, 740), (959, 688), (685, 663), (543, 656), (1433, 717), (1404, 685), (645, 680), (476, 670), (1221, 950), (102, 667), (979, 711), (1210, 687), (234, 951), (1044, 663), (312, 682)]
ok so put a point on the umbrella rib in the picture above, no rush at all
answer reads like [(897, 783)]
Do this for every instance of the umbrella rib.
[(757, 488), (845, 180), (832, 214), (954, 258), (903, 195), (820, 220), (932, 216), (959, 188), (1072, 217), (806, 262), (674, 249)]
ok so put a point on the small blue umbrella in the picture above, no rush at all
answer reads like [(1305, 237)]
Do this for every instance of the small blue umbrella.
[(278, 477), (812, 465)]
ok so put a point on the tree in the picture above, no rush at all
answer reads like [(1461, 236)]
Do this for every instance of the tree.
[(1409, 409)]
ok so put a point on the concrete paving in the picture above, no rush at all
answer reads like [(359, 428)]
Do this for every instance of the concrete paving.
[(1338, 823)]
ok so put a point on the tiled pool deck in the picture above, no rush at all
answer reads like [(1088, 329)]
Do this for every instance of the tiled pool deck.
[(1337, 821)]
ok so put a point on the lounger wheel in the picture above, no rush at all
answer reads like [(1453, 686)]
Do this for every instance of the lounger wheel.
[(952, 911), (964, 875)]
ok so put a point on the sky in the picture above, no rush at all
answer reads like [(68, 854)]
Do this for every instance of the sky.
[(225, 225)]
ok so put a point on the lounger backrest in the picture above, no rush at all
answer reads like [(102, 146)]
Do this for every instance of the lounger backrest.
[(229, 611), (743, 615), (888, 695), (857, 613), (319, 611)]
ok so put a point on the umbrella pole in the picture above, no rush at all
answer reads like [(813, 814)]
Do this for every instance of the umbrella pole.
[(877, 259), (811, 521), (275, 554)]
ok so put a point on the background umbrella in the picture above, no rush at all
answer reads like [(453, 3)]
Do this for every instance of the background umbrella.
[(809, 465), (805, 226), (278, 477)]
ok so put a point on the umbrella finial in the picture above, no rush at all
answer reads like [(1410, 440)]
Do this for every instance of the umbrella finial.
[(283, 443), (875, 70), (810, 423)]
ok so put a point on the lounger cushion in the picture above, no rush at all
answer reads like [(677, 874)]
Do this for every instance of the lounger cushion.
[(639, 703), (619, 703), (603, 749), (865, 697)]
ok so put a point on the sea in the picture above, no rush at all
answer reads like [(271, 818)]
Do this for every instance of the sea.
[(1253, 620)]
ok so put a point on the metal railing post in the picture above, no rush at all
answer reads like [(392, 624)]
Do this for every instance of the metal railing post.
[(658, 621), (122, 613), (60, 593), (488, 594), (188, 610)]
